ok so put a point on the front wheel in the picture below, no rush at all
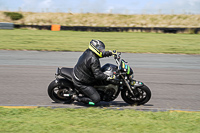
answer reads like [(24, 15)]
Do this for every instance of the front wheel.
[(60, 93), (142, 97)]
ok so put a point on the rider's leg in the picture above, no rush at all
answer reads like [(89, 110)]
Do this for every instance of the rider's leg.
[(91, 93)]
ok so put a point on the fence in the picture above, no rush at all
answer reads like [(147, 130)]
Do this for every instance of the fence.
[(6, 25), (115, 29)]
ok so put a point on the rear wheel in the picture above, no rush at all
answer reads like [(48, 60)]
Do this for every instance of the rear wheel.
[(60, 93), (143, 96)]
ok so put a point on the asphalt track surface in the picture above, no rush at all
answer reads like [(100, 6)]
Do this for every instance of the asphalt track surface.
[(173, 79)]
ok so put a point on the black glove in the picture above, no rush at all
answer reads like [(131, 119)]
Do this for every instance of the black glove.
[(107, 53)]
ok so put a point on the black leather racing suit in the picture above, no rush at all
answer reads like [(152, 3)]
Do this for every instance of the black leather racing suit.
[(86, 72)]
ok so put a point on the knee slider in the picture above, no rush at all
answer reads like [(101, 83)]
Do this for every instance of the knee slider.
[(96, 99)]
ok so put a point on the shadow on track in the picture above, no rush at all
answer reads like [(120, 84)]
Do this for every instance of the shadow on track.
[(115, 104)]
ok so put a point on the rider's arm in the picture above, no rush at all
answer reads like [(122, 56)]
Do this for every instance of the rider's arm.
[(95, 67), (107, 53)]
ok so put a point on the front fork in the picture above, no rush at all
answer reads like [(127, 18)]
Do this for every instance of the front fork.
[(132, 86)]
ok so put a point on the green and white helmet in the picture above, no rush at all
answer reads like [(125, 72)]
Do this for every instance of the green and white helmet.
[(97, 47)]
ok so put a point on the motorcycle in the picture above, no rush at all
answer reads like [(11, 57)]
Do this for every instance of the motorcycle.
[(133, 92)]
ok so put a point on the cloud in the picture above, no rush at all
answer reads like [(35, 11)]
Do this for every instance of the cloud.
[(94, 6), (174, 6), (37, 5), (46, 4)]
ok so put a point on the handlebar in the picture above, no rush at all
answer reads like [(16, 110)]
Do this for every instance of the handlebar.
[(116, 56)]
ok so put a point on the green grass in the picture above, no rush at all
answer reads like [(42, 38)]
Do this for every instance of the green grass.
[(94, 120), (121, 41)]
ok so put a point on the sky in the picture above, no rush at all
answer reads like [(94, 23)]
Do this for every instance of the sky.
[(104, 6)]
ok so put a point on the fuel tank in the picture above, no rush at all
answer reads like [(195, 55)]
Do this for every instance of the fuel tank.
[(109, 69)]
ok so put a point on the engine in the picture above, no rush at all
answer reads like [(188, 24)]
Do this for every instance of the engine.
[(108, 92)]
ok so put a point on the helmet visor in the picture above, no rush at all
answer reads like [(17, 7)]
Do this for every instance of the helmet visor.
[(101, 48)]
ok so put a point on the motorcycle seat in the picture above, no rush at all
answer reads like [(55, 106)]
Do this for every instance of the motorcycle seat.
[(66, 72)]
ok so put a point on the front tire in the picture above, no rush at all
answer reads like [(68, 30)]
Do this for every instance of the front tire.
[(60, 93), (141, 98)]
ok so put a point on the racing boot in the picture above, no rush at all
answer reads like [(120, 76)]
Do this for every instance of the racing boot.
[(84, 100)]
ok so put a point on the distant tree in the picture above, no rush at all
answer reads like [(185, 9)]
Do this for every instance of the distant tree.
[(14, 15)]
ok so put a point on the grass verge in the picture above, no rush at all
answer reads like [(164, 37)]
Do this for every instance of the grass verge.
[(47, 120), (121, 41)]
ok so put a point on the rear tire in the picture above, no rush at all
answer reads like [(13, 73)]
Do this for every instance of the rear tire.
[(56, 92), (143, 97)]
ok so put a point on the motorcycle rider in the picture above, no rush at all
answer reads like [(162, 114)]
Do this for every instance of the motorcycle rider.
[(87, 71)]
